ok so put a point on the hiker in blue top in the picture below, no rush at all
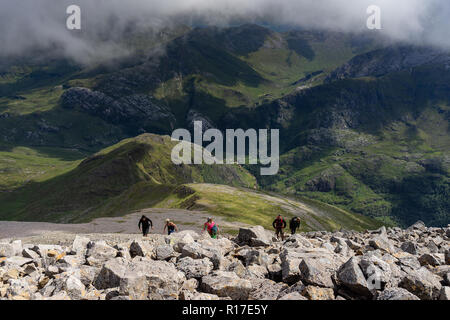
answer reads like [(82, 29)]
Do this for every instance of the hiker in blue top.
[(171, 227)]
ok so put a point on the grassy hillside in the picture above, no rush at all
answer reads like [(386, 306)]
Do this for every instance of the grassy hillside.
[(140, 165), (258, 208)]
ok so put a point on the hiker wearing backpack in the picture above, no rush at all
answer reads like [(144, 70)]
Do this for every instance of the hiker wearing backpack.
[(279, 224), (294, 224), (145, 223), (211, 227), (171, 227)]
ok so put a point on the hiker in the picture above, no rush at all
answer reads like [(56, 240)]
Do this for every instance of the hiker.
[(146, 223), (211, 227), (294, 224), (171, 227), (279, 224)]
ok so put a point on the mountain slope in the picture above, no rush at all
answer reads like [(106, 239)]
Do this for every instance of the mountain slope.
[(142, 163)]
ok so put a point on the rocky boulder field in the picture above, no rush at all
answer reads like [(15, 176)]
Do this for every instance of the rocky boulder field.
[(384, 264)]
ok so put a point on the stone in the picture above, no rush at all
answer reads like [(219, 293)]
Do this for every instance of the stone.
[(377, 272), (422, 283), (430, 260), (197, 251), (164, 252), (6, 250), (18, 261), (291, 259), (43, 249), (140, 248), (163, 279), (28, 253), (257, 271), (134, 286), (383, 243), (266, 290), (226, 284), (79, 245), (88, 274), (318, 293), (351, 276), (182, 241), (75, 288), (409, 247), (447, 279), (205, 296), (275, 272), (445, 293), (195, 268), (254, 237), (111, 273), (419, 225), (317, 272), (447, 257), (293, 296), (99, 252), (396, 294)]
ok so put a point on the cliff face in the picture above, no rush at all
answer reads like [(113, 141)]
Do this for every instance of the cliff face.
[(384, 264)]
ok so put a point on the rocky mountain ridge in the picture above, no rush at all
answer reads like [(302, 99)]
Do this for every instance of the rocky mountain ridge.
[(383, 264)]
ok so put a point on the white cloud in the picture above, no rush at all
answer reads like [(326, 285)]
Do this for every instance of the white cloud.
[(26, 24)]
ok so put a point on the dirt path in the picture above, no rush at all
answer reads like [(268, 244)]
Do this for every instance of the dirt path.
[(192, 220)]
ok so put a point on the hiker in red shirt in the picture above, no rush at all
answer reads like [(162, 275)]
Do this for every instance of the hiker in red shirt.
[(279, 224), (212, 228)]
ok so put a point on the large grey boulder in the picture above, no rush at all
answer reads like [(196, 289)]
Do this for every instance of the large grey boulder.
[(141, 248), (409, 247), (266, 290), (164, 280), (351, 276), (28, 253), (134, 286), (291, 259), (433, 259), (377, 272), (317, 272), (111, 273), (195, 268), (226, 284), (382, 242), (422, 283), (6, 250), (75, 288), (79, 245), (164, 252), (99, 252), (255, 237), (396, 294), (197, 251)]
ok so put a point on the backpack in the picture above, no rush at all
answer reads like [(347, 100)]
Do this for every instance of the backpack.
[(214, 228), (279, 223)]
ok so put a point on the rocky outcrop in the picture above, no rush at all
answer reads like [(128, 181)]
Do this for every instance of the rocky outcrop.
[(383, 61), (384, 264), (138, 110)]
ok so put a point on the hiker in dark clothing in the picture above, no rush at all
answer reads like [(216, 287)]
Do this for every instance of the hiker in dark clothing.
[(146, 223), (171, 227), (279, 224), (294, 224)]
